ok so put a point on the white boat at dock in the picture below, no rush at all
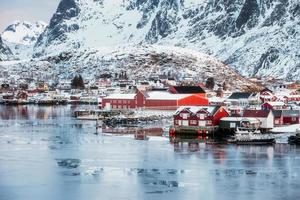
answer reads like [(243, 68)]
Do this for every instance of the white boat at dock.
[(88, 117), (252, 137), (249, 134)]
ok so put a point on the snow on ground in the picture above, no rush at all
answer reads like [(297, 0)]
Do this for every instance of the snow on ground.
[(286, 129), (149, 113)]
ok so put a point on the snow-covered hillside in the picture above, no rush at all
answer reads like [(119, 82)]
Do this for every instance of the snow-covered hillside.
[(20, 37), (138, 61), (253, 36)]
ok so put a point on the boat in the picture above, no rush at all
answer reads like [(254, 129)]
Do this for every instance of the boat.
[(88, 117), (295, 139), (249, 134), (246, 136)]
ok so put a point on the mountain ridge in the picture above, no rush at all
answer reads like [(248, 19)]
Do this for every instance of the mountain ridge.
[(233, 30), (20, 37)]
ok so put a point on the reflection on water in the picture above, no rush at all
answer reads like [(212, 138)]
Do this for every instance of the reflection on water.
[(46, 154), (34, 112)]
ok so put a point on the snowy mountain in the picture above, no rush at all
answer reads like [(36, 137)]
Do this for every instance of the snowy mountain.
[(20, 37), (255, 37), (5, 52), (140, 62)]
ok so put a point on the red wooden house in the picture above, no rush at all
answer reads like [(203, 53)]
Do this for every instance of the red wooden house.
[(267, 95), (278, 117), (273, 105), (22, 95), (286, 117), (290, 117), (153, 99), (199, 116), (292, 98)]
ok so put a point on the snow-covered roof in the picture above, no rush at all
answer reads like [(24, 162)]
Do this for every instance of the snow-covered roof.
[(276, 103), (216, 99), (232, 119), (294, 96), (164, 95), (120, 96), (195, 109), (238, 119)]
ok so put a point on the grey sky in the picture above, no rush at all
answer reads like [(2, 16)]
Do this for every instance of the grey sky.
[(29, 10)]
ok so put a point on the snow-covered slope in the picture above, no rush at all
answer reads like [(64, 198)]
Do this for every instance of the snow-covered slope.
[(5, 52), (141, 61), (256, 37), (20, 37)]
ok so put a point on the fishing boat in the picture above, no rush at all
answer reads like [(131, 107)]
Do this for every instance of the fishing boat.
[(295, 139), (246, 136), (88, 117)]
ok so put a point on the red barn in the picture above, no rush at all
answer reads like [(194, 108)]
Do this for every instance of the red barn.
[(120, 101), (152, 99), (203, 116)]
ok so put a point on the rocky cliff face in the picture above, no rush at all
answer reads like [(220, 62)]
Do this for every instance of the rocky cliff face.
[(255, 37), (5, 52)]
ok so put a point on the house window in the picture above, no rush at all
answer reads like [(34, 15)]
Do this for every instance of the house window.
[(294, 119), (202, 123), (201, 116), (176, 122), (209, 122), (184, 115), (193, 122), (232, 125)]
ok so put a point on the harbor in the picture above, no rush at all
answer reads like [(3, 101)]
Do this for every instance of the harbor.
[(78, 162)]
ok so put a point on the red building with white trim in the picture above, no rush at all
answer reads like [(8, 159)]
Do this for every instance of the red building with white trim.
[(286, 117), (154, 99), (292, 98), (267, 95), (273, 105), (199, 116)]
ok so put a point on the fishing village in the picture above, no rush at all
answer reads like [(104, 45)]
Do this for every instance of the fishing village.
[(183, 111), (149, 99)]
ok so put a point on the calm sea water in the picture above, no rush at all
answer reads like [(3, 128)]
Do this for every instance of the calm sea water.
[(45, 154)]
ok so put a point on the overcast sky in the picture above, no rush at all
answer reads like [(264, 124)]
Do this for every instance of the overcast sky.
[(29, 10)]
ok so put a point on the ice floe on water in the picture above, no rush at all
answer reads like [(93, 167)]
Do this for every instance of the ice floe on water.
[(68, 163)]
